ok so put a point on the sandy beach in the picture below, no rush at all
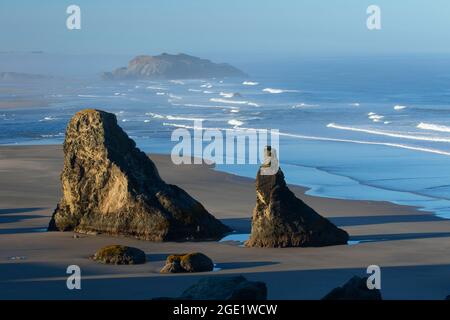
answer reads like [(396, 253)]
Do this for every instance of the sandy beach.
[(411, 246)]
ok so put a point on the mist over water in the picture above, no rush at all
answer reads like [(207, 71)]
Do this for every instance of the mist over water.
[(373, 128)]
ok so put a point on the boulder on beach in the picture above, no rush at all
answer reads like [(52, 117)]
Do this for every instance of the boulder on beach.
[(109, 186), (224, 288), (355, 289), (280, 219), (117, 254), (191, 262)]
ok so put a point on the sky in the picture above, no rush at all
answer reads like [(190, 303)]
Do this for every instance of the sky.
[(231, 27)]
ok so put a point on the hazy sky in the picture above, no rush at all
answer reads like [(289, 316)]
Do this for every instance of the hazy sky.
[(215, 27)]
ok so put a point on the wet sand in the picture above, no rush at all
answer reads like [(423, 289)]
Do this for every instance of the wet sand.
[(411, 247)]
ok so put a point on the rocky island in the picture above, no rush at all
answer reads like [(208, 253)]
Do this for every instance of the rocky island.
[(110, 186), (168, 66)]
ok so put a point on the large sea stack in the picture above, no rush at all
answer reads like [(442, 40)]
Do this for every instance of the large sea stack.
[(110, 186), (280, 219)]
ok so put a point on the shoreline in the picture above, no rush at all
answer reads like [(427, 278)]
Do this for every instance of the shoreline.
[(406, 243)]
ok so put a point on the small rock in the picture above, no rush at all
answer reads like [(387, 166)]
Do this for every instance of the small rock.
[(191, 262), (354, 289), (116, 254)]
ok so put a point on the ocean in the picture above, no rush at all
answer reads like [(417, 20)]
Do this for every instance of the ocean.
[(366, 128)]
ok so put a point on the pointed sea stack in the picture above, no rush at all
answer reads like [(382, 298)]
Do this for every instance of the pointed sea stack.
[(280, 219), (110, 186)]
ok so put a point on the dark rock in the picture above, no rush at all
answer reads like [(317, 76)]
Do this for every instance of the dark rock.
[(117, 254), (354, 289), (110, 186), (280, 219), (225, 288), (167, 66), (191, 262)]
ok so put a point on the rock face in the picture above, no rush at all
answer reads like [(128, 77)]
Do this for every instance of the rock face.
[(109, 186), (354, 289), (116, 254), (280, 219), (225, 288), (167, 66), (191, 262)]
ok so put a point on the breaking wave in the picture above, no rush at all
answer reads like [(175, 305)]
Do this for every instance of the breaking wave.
[(433, 127), (389, 134)]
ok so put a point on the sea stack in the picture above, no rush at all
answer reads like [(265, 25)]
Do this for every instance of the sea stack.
[(109, 186), (280, 219)]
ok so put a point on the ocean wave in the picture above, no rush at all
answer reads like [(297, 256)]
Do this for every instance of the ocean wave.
[(235, 123), (226, 94), (184, 118), (433, 127), (219, 100), (155, 115), (206, 85), (355, 104), (177, 82), (304, 105), (277, 91), (156, 88), (389, 134), (194, 90), (160, 93), (59, 134), (49, 118), (172, 96), (250, 83), (88, 96), (316, 138), (399, 107), (207, 92)]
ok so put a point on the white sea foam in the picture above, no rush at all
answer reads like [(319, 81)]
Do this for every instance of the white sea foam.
[(156, 88), (277, 91), (250, 83), (235, 123), (172, 96), (207, 92), (433, 127), (88, 96), (155, 115), (399, 107), (184, 118), (235, 110), (356, 104), (49, 118), (160, 93), (304, 105), (206, 85), (177, 82), (389, 134), (219, 100), (146, 121), (252, 104), (227, 94), (194, 90)]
